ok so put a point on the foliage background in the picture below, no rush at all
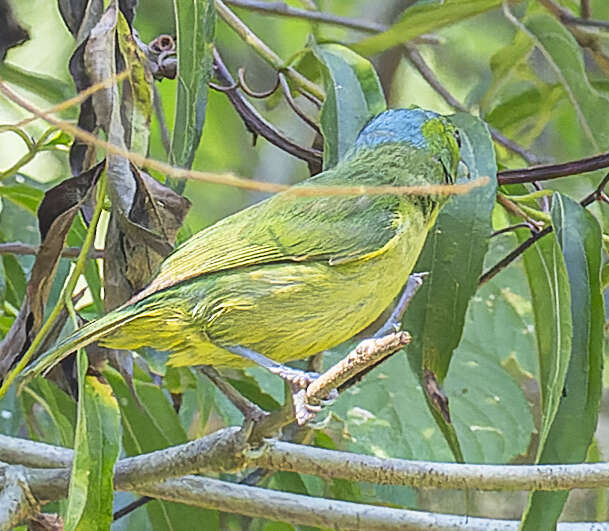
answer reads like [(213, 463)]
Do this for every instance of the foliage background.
[(492, 378)]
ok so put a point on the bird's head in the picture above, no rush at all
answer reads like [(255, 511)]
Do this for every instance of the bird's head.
[(419, 128)]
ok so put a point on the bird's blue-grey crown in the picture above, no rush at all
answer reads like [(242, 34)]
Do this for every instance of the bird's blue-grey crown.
[(395, 125)]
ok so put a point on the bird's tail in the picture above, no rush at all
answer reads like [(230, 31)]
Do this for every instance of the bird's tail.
[(87, 334)]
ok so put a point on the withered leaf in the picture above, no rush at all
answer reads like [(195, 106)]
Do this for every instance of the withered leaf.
[(55, 215), (12, 34)]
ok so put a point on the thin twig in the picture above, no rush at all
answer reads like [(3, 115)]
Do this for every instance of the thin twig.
[(80, 97), (366, 354), (517, 210), (282, 9), (19, 248), (248, 409), (159, 112), (552, 171), (230, 179), (254, 122), (512, 228), (294, 106), (595, 195), (124, 511)]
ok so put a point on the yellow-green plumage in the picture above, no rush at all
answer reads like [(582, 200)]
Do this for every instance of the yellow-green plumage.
[(292, 275)]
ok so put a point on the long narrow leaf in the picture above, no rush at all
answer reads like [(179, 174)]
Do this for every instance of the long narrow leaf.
[(96, 449), (453, 255), (195, 27), (420, 19), (572, 429)]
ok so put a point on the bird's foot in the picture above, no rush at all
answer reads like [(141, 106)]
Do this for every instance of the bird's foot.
[(305, 409)]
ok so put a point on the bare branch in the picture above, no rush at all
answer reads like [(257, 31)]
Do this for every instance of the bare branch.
[(552, 171), (282, 9), (20, 248), (254, 122)]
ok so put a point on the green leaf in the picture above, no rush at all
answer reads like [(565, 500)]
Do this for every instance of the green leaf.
[(51, 89), (195, 30), (60, 407), (353, 96), (153, 424), (572, 430), (421, 19), (23, 195), (504, 64), (137, 91), (96, 449), (453, 255), (566, 57), (549, 285)]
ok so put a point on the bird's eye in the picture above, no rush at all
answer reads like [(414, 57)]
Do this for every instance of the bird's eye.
[(458, 138)]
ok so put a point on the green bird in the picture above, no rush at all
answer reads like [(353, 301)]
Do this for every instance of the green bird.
[(293, 275)]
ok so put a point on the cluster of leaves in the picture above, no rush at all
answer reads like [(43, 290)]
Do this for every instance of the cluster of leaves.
[(540, 320)]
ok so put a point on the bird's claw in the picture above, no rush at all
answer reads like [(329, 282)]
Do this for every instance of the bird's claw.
[(304, 409)]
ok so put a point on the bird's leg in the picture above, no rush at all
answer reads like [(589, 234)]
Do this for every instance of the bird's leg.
[(394, 323), (297, 379), (248, 409)]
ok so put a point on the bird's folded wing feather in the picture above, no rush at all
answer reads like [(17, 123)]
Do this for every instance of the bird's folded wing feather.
[(284, 228)]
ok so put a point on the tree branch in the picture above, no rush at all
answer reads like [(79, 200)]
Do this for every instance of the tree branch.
[(20, 248), (254, 122), (284, 10), (225, 450), (17, 502)]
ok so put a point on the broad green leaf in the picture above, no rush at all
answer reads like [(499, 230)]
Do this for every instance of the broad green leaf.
[(16, 281), (453, 255), (531, 106), (566, 58), (137, 91), (23, 195), (153, 424), (549, 285), (96, 448), (195, 31), (353, 96), (421, 19), (572, 430)]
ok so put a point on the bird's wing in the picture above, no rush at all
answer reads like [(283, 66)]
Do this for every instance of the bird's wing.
[(335, 229)]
